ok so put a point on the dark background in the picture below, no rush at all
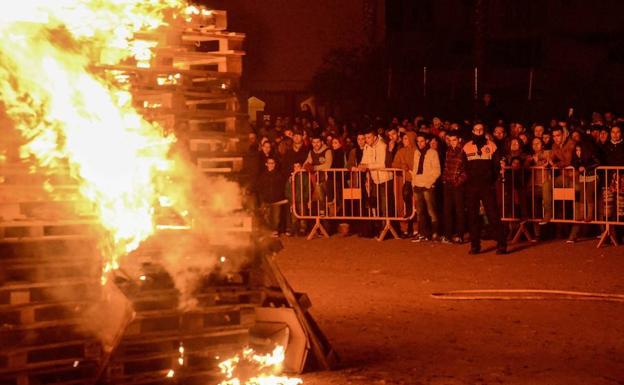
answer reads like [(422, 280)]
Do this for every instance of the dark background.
[(573, 48)]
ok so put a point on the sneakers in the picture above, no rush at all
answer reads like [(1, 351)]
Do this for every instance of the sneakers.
[(570, 240), (444, 240), (458, 239), (420, 238), (275, 234), (544, 221)]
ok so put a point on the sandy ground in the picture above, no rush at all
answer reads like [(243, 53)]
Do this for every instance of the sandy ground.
[(373, 301)]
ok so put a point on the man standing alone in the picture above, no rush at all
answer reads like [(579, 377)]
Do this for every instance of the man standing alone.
[(482, 169)]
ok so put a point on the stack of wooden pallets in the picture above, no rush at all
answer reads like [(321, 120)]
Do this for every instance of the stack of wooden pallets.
[(189, 87), (182, 337), (50, 269), (49, 278)]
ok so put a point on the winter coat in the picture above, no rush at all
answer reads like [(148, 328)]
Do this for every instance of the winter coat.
[(431, 169), (454, 173), (271, 186), (375, 159)]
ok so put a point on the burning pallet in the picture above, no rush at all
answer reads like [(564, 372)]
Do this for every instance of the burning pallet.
[(148, 324), (49, 280)]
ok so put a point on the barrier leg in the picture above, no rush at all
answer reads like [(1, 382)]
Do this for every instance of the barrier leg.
[(522, 230), (607, 233), (384, 232), (318, 229)]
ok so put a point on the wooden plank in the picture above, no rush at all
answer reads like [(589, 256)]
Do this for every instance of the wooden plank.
[(70, 373), (324, 358), (212, 145), (202, 319), (213, 20), (20, 293), (51, 270), (42, 229), (28, 313), (226, 164), (157, 70), (33, 357)]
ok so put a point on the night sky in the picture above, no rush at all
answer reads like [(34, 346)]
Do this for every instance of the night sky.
[(574, 49)]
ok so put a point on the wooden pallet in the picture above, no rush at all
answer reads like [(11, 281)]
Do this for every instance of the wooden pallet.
[(185, 101), (230, 61), (214, 41), (176, 37), (17, 173), (35, 229), (167, 77), (51, 248), (199, 123), (50, 270), (154, 300), (169, 299), (156, 364), (167, 321), (18, 293), (74, 373), (41, 333), (230, 296), (213, 20), (182, 59), (215, 165), (191, 342), (27, 314), (215, 143), (276, 298), (23, 203), (34, 357)]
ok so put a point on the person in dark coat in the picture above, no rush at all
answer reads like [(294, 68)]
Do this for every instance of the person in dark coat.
[(271, 192), (614, 148)]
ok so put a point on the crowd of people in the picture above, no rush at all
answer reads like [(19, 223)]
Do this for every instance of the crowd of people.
[(452, 176)]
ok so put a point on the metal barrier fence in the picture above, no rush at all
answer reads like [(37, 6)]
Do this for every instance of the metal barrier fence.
[(543, 194), (342, 194)]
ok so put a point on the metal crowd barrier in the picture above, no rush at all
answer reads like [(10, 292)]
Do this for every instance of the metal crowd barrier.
[(342, 194), (544, 194)]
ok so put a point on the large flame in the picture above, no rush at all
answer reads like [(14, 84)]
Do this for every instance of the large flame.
[(250, 368), (72, 115)]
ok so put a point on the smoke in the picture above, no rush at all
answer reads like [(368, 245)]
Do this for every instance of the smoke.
[(121, 164)]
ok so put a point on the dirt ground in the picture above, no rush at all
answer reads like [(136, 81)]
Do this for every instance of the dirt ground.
[(373, 301)]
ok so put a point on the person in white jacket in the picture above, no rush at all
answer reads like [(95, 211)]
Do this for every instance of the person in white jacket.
[(424, 175), (374, 160)]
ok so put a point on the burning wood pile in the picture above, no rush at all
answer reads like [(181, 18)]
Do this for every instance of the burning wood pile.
[(121, 263)]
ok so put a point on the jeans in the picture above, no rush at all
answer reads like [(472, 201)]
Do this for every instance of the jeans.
[(382, 198), (585, 193), (272, 213), (454, 208), (425, 202)]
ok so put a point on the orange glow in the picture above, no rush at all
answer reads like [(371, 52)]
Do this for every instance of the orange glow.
[(73, 115), (265, 369)]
